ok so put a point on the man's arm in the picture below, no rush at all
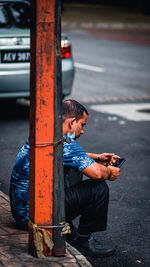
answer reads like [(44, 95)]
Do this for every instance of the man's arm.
[(100, 172)]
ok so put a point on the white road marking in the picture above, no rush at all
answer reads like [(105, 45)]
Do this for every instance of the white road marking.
[(127, 111), (88, 67)]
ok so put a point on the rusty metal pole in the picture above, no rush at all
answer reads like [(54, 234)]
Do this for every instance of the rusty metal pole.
[(44, 132)]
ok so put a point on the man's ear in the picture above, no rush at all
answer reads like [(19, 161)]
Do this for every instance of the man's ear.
[(71, 122)]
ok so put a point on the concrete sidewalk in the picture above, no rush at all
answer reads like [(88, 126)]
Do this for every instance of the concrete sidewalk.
[(76, 15), (14, 245)]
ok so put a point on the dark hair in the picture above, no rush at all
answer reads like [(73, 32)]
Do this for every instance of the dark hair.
[(72, 108)]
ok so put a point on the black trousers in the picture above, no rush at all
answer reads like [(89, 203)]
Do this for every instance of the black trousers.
[(89, 199)]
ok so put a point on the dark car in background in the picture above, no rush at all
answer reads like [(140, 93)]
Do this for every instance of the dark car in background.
[(15, 52)]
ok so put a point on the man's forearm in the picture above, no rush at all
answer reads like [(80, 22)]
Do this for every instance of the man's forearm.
[(92, 155), (97, 171), (105, 172)]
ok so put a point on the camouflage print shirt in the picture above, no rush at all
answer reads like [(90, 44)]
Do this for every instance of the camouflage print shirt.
[(74, 159)]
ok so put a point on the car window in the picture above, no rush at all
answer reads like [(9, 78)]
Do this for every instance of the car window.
[(14, 14)]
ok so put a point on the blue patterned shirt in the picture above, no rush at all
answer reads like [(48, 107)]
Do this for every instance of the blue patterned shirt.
[(74, 158)]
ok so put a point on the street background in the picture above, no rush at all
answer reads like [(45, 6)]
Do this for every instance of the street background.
[(112, 59)]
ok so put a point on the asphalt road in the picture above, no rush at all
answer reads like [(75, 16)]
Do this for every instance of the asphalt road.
[(124, 65), (124, 79), (123, 73), (129, 210)]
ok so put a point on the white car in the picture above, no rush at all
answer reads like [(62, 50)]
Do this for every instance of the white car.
[(15, 52)]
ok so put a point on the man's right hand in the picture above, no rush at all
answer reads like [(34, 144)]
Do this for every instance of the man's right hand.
[(98, 171), (114, 173)]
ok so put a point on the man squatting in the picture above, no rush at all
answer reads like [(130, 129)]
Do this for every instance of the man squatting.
[(88, 198)]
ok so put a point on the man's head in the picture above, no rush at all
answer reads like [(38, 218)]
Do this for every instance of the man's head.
[(74, 117)]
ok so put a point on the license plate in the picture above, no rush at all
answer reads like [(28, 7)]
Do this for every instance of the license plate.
[(14, 56)]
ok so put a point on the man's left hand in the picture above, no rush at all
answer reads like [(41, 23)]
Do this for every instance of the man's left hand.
[(106, 158)]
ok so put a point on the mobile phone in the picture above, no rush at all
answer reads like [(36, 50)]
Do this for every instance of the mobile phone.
[(118, 163)]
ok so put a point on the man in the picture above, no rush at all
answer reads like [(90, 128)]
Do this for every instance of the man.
[(88, 198)]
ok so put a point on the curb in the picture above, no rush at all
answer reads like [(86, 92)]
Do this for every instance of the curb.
[(3, 195), (114, 25), (81, 260), (113, 99)]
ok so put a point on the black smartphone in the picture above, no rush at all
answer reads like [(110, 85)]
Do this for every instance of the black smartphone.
[(118, 163)]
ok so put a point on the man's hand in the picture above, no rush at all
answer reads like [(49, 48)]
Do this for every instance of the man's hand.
[(114, 173), (98, 171), (106, 158)]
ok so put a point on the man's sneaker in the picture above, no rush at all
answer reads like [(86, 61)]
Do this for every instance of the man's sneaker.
[(92, 247)]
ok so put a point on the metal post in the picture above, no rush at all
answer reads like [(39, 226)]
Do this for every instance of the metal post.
[(58, 207), (44, 111)]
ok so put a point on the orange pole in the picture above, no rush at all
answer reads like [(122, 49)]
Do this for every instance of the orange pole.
[(41, 126)]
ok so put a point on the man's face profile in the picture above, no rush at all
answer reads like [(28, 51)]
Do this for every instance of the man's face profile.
[(78, 127)]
